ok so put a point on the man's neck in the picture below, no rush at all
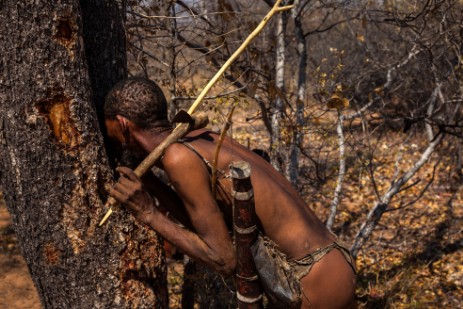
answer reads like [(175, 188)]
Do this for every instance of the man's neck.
[(148, 140)]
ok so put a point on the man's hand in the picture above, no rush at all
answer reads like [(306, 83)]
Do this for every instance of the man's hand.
[(129, 192)]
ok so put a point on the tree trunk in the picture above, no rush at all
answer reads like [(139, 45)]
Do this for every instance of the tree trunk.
[(105, 48), (278, 108), (53, 166), (298, 134)]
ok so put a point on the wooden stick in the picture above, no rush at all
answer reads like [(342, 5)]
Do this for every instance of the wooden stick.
[(151, 159), (248, 288), (276, 8), (217, 150), (199, 121)]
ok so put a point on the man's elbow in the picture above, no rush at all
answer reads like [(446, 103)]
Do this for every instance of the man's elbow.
[(230, 269), (226, 266)]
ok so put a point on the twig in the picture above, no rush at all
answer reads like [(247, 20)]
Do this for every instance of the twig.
[(420, 195), (195, 14), (361, 110), (397, 161), (149, 54), (413, 52), (181, 17), (210, 97), (217, 149)]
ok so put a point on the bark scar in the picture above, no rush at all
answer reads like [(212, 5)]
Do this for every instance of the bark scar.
[(56, 109), (65, 33)]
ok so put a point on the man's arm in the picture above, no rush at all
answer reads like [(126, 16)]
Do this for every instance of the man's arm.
[(212, 244), (169, 201)]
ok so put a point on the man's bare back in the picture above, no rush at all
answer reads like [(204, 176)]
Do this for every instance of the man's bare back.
[(283, 215)]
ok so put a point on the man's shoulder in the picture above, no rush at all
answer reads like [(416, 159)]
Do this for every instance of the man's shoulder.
[(177, 155), (174, 154)]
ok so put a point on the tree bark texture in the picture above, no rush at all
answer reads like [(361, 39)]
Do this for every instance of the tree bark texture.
[(53, 166), (105, 47)]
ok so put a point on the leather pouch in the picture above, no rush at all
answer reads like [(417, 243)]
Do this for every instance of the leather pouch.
[(281, 287)]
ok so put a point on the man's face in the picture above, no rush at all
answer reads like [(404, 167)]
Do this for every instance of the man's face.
[(114, 131), (127, 154)]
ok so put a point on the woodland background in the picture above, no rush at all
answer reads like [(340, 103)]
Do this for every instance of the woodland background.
[(358, 103)]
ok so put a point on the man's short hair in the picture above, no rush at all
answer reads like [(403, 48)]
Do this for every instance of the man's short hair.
[(138, 99)]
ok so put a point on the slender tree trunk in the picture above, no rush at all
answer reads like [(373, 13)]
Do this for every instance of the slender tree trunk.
[(278, 108), (342, 171), (173, 64), (293, 164), (53, 166)]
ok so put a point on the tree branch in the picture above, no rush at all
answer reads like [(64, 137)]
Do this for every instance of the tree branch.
[(377, 211), (342, 170)]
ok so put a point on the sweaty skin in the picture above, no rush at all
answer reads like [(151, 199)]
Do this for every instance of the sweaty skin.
[(283, 215)]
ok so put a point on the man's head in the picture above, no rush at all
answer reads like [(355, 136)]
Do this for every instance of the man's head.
[(139, 100), (132, 106)]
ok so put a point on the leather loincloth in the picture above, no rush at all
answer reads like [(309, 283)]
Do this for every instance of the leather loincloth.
[(281, 277)]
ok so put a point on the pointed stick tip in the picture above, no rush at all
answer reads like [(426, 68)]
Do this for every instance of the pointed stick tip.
[(106, 216)]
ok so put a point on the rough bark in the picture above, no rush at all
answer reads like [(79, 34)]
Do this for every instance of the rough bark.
[(105, 47), (53, 165)]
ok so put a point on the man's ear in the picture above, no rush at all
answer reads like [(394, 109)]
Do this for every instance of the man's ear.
[(123, 122)]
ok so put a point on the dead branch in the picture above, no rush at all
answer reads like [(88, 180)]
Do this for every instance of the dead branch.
[(378, 210), (342, 171), (217, 149)]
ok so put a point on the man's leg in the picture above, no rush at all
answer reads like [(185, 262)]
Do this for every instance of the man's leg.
[(330, 284)]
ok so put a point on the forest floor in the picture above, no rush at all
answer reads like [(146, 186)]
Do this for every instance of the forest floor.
[(414, 258), (16, 287)]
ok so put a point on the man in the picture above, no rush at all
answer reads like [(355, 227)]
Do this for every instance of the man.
[(136, 117)]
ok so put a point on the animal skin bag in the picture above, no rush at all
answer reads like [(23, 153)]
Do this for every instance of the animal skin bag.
[(278, 280)]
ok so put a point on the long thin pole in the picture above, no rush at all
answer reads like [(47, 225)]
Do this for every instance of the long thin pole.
[(156, 154), (275, 9), (248, 287)]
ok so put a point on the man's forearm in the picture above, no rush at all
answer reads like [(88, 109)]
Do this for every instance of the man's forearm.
[(211, 244), (222, 260)]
